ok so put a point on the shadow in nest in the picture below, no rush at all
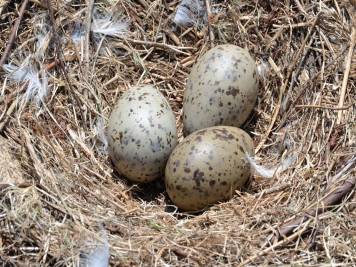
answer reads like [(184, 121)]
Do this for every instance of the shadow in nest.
[(148, 192), (153, 192)]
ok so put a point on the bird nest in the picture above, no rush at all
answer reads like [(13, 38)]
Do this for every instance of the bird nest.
[(60, 199)]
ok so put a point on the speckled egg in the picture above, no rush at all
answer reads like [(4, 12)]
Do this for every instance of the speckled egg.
[(221, 89), (141, 133), (208, 166)]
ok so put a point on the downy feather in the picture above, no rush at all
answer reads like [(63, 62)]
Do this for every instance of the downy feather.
[(37, 81), (270, 172), (189, 13)]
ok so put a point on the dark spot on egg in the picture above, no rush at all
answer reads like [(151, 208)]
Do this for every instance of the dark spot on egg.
[(223, 134), (201, 132), (198, 139), (232, 91), (198, 177)]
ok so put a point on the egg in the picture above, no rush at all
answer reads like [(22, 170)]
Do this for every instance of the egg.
[(221, 89), (141, 134), (208, 166)]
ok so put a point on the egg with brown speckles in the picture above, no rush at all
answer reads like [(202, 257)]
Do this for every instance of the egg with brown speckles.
[(208, 166), (141, 133), (221, 89)]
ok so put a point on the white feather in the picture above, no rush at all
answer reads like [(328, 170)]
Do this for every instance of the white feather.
[(99, 130), (37, 87), (100, 256), (262, 69), (110, 26), (270, 172), (43, 35), (189, 13), (78, 34)]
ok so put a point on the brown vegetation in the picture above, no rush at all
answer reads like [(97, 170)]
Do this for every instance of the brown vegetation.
[(69, 190)]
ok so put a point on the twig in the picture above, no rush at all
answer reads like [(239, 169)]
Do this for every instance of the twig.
[(268, 249), (324, 107), (272, 190), (7, 115), (327, 203), (209, 15), (59, 52), (13, 33), (346, 75), (87, 33), (162, 45)]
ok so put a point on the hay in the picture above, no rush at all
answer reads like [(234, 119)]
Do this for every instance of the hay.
[(70, 193), (10, 169)]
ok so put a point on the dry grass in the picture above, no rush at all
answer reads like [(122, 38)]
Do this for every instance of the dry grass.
[(69, 189)]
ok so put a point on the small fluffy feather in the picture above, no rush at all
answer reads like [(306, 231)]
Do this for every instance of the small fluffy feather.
[(42, 44), (270, 172), (43, 36), (37, 88), (100, 256), (78, 34), (110, 26), (262, 69), (189, 13), (99, 130)]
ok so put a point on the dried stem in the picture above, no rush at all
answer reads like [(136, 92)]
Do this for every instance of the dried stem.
[(327, 203), (13, 33), (346, 74), (209, 15)]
